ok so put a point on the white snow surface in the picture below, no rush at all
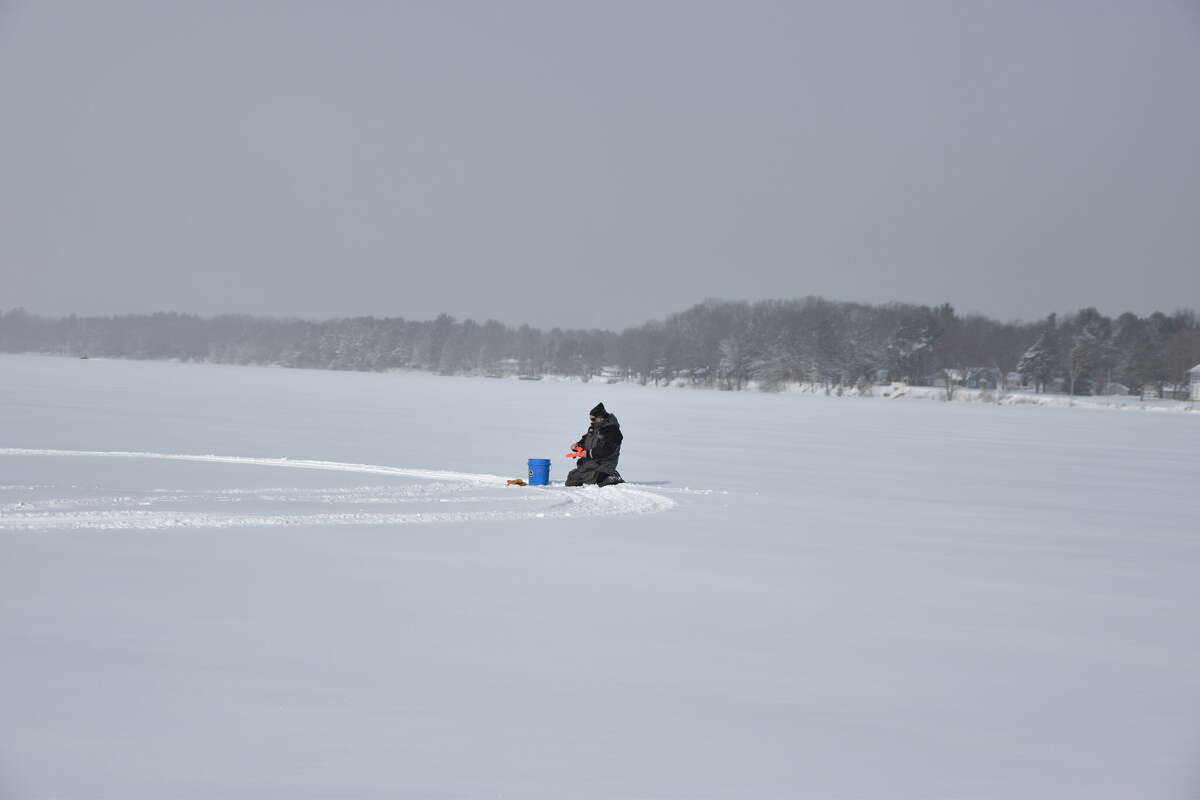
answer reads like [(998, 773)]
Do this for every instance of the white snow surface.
[(218, 582), (192, 510)]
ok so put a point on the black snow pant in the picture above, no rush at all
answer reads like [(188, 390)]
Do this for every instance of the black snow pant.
[(589, 470)]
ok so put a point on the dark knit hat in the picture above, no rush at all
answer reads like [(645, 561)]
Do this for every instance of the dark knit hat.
[(598, 411)]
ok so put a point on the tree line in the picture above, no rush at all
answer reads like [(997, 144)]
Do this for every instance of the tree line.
[(726, 344)]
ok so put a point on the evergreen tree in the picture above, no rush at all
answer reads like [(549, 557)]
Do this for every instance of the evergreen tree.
[(1040, 360)]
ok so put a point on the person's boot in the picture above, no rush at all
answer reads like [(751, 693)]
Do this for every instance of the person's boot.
[(610, 479)]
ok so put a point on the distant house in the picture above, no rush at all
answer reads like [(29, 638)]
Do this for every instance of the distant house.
[(1194, 378), (971, 377), (983, 378), (505, 367), (943, 377)]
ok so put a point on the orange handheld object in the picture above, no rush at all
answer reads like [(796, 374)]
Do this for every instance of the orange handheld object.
[(576, 452)]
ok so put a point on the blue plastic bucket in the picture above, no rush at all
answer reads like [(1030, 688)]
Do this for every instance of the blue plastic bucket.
[(539, 472)]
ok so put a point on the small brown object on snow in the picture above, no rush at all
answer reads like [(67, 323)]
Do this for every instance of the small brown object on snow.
[(517, 482)]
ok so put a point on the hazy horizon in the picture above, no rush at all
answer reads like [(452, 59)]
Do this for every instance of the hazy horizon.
[(572, 167), (515, 323)]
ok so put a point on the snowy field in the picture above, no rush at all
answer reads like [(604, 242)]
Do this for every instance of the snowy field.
[(236, 582), (1011, 397)]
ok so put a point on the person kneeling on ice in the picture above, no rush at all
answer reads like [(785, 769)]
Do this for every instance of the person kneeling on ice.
[(598, 451)]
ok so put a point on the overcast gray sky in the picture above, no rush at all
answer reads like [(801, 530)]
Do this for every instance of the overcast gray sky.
[(597, 164)]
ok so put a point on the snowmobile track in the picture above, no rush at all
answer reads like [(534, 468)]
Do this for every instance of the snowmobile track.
[(460, 493)]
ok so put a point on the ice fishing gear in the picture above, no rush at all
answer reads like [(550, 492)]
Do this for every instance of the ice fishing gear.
[(539, 472), (576, 452)]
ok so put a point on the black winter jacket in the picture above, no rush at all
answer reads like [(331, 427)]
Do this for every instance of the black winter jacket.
[(602, 441)]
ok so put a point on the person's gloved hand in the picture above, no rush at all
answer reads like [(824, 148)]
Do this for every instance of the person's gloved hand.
[(576, 452)]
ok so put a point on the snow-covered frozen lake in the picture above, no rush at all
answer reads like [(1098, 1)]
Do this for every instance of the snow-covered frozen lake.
[(237, 582)]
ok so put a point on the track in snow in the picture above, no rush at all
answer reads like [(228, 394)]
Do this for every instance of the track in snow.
[(437, 496)]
